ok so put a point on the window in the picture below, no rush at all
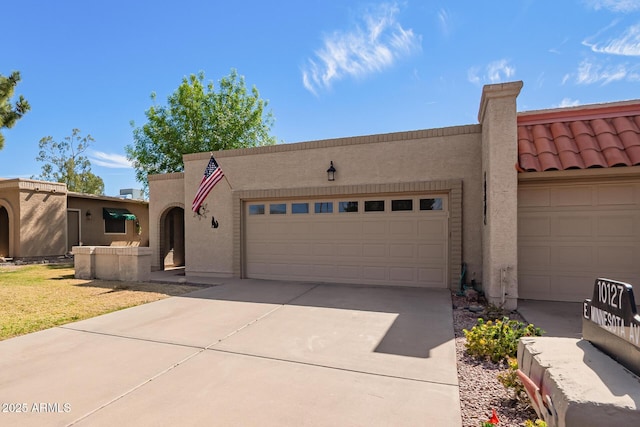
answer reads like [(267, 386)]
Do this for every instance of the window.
[(324, 207), (348, 207), (402, 205), (278, 209), (374, 206), (299, 208), (115, 226), (256, 209), (431, 204)]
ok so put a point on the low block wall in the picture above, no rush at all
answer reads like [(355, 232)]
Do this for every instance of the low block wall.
[(126, 264), (580, 385)]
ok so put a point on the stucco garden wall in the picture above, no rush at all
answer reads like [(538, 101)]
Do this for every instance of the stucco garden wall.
[(43, 219), (405, 157)]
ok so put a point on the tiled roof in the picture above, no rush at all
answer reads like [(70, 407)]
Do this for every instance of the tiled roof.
[(594, 136)]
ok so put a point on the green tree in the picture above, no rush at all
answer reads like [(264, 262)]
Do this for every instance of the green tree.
[(199, 119), (64, 162), (9, 114)]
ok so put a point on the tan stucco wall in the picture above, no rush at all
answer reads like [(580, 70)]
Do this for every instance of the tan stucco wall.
[(43, 219), (92, 230), (364, 163), (165, 192)]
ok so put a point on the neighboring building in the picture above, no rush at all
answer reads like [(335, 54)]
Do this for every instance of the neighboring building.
[(410, 208), (43, 219)]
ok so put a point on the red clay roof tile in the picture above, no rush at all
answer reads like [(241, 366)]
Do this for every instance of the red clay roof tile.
[(571, 160), (634, 154), (616, 157), (591, 136), (593, 159)]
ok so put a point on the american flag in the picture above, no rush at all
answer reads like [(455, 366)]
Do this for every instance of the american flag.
[(212, 174)]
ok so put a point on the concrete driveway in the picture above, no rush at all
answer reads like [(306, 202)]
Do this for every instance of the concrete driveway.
[(243, 353)]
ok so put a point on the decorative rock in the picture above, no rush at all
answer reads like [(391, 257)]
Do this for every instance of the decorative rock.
[(471, 294)]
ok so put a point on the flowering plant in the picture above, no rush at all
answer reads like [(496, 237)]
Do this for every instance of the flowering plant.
[(493, 421)]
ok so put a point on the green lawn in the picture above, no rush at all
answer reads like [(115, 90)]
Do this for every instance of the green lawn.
[(36, 297)]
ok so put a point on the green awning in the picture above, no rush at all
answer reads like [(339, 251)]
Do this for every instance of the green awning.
[(115, 213)]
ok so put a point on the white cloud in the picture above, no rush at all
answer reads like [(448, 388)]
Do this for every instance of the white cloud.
[(615, 5), (363, 50), (590, 73), (568, 102), (109, 160), (444, 20), (627, 44), (493, 72)]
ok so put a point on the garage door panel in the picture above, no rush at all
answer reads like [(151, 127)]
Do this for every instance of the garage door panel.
[(349, 249), (432, 228), (402, 274), (435, 252), (374, 250), (571, 256), (372, 229), (615, 225), (381, 247), (406, 227), (402, 251), (536, 257), (534, 226), (594, 233), (534, 286), (620, 258), (323, 249), (534, 197), (616, 195), (303, 249), (571, 196), (572, 225), (374, 273), (431, 275)]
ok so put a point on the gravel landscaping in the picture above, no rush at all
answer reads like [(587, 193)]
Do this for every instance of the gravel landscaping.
[(480, 390)]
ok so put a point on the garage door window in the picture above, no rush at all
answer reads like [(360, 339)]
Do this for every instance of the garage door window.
[(256, 209), (402, 205), (324, 207), (299, 208), (278, 209), (348, 207), (374, 206), (431, 204)]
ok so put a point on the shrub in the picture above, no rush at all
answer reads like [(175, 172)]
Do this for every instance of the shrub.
[(497, 340), (510, 380)]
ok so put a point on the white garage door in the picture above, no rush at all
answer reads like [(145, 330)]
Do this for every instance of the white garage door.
[(400, 240), (569, 235)]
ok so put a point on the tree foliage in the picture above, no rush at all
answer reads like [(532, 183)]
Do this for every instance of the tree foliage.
[(9, 114), (199, 119), (65, 162)]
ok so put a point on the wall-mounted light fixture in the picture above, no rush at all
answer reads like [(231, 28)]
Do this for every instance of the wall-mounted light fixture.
[(331, 172), (88, 215)]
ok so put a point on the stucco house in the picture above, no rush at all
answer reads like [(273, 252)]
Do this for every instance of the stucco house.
[(42, 219), (534, 205)]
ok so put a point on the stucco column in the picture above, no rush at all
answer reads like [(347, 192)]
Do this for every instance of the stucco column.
[(498, 117)]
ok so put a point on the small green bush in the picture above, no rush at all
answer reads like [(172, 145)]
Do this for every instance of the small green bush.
[(510, 380), (497, 340)]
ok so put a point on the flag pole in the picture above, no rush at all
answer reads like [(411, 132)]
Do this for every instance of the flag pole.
[(225, 175)]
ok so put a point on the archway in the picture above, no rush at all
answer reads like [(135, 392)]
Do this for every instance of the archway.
[(4, 233), (172, 253)]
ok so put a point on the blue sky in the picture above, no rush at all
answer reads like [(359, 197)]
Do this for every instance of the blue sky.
[(328, 68)]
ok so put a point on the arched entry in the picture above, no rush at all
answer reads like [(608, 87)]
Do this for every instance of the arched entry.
[(172, 238), (4, 232)]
